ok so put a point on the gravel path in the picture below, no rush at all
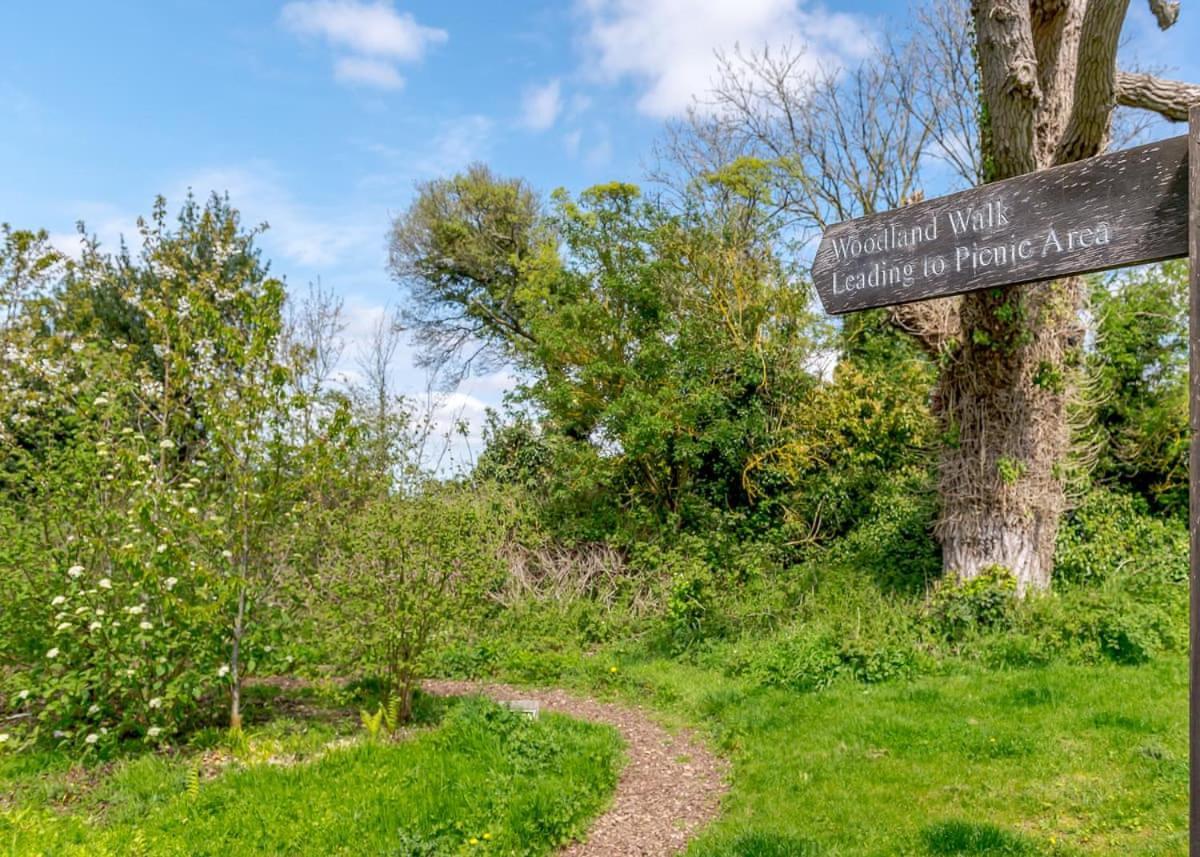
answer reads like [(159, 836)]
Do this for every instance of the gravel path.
[(670, 788)]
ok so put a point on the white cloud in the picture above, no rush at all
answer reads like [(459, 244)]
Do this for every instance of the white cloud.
[(600, 154), (460, 141), (367, 71), (107, 223), (668, 46), (541, 105), (373, 37), (367, 29)]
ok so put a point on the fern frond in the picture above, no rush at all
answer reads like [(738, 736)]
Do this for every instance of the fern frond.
[(192, 785)]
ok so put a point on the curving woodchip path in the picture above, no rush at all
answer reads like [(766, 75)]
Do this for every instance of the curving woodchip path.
[(669, 789)]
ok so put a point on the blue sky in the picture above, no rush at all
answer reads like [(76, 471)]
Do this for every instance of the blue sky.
[(319, 115)]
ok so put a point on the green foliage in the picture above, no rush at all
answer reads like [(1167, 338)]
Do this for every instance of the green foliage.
[(1113, 532), (1140, 370), (405, 574), (372, 723), (814, 658), (959, 607), (463, 251), (892, 542), (138, 481)]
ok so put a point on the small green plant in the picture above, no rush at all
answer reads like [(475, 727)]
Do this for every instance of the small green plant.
[(1010, 469), (191, 785), (372, 722), (957, 607), (391, 714)]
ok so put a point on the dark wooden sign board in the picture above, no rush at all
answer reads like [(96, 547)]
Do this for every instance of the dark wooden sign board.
[(1112, 211)]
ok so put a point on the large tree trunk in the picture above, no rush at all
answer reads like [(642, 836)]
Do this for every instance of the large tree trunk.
[(1003, 402), (1047, 71)]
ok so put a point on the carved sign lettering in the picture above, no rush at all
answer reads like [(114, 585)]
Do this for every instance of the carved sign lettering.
[(1110, 211)]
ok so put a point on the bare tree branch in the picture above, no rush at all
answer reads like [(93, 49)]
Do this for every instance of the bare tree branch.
[(1090, 121), (1009, 77), (1169, 98)]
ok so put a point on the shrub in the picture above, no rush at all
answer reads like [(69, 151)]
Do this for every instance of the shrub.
[(1114, 533), (957, 608), (405, 574), (816, 656), (1109, 623), (893, 543)]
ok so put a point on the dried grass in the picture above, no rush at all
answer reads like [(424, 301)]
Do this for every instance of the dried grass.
[(561, 575)]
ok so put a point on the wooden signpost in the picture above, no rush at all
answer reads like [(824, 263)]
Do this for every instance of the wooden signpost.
[(1127, 208), (1112, 211)]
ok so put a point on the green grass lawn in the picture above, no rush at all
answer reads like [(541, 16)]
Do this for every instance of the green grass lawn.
[(1060, 760), (483, 781)]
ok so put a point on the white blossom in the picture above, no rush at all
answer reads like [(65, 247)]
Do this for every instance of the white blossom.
[(3, 737), (53, 653), (156, 702), (223, 671), (23, 695), (135, 610), (92, 738), (166, 443), (228, 554), (75, 571), (105, 583), (95, 626), (63, 626), (146, 626), (162, 548), (93, 708), (153, 732), (170, 582), (58, 600)]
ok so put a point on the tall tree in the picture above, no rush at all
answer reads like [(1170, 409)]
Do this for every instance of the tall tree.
[(461, 251), (1034, 86), (1049, 85)]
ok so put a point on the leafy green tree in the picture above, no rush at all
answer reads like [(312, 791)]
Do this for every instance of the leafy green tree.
[(407, 573), (1140, 368), (675, 369), (155, 470), (462, 251)]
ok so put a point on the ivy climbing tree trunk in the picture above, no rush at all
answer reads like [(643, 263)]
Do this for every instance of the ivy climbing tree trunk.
[(1048, 80)]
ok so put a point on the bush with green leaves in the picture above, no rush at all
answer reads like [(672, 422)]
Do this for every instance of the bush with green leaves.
[(1113, 533), (958, 608), (406, 575), (142, 503)]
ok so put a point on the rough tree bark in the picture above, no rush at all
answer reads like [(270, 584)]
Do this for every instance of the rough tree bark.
[(1047, 71)]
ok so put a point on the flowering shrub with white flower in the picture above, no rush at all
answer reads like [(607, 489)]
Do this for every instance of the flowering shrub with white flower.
[(140, 459)]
